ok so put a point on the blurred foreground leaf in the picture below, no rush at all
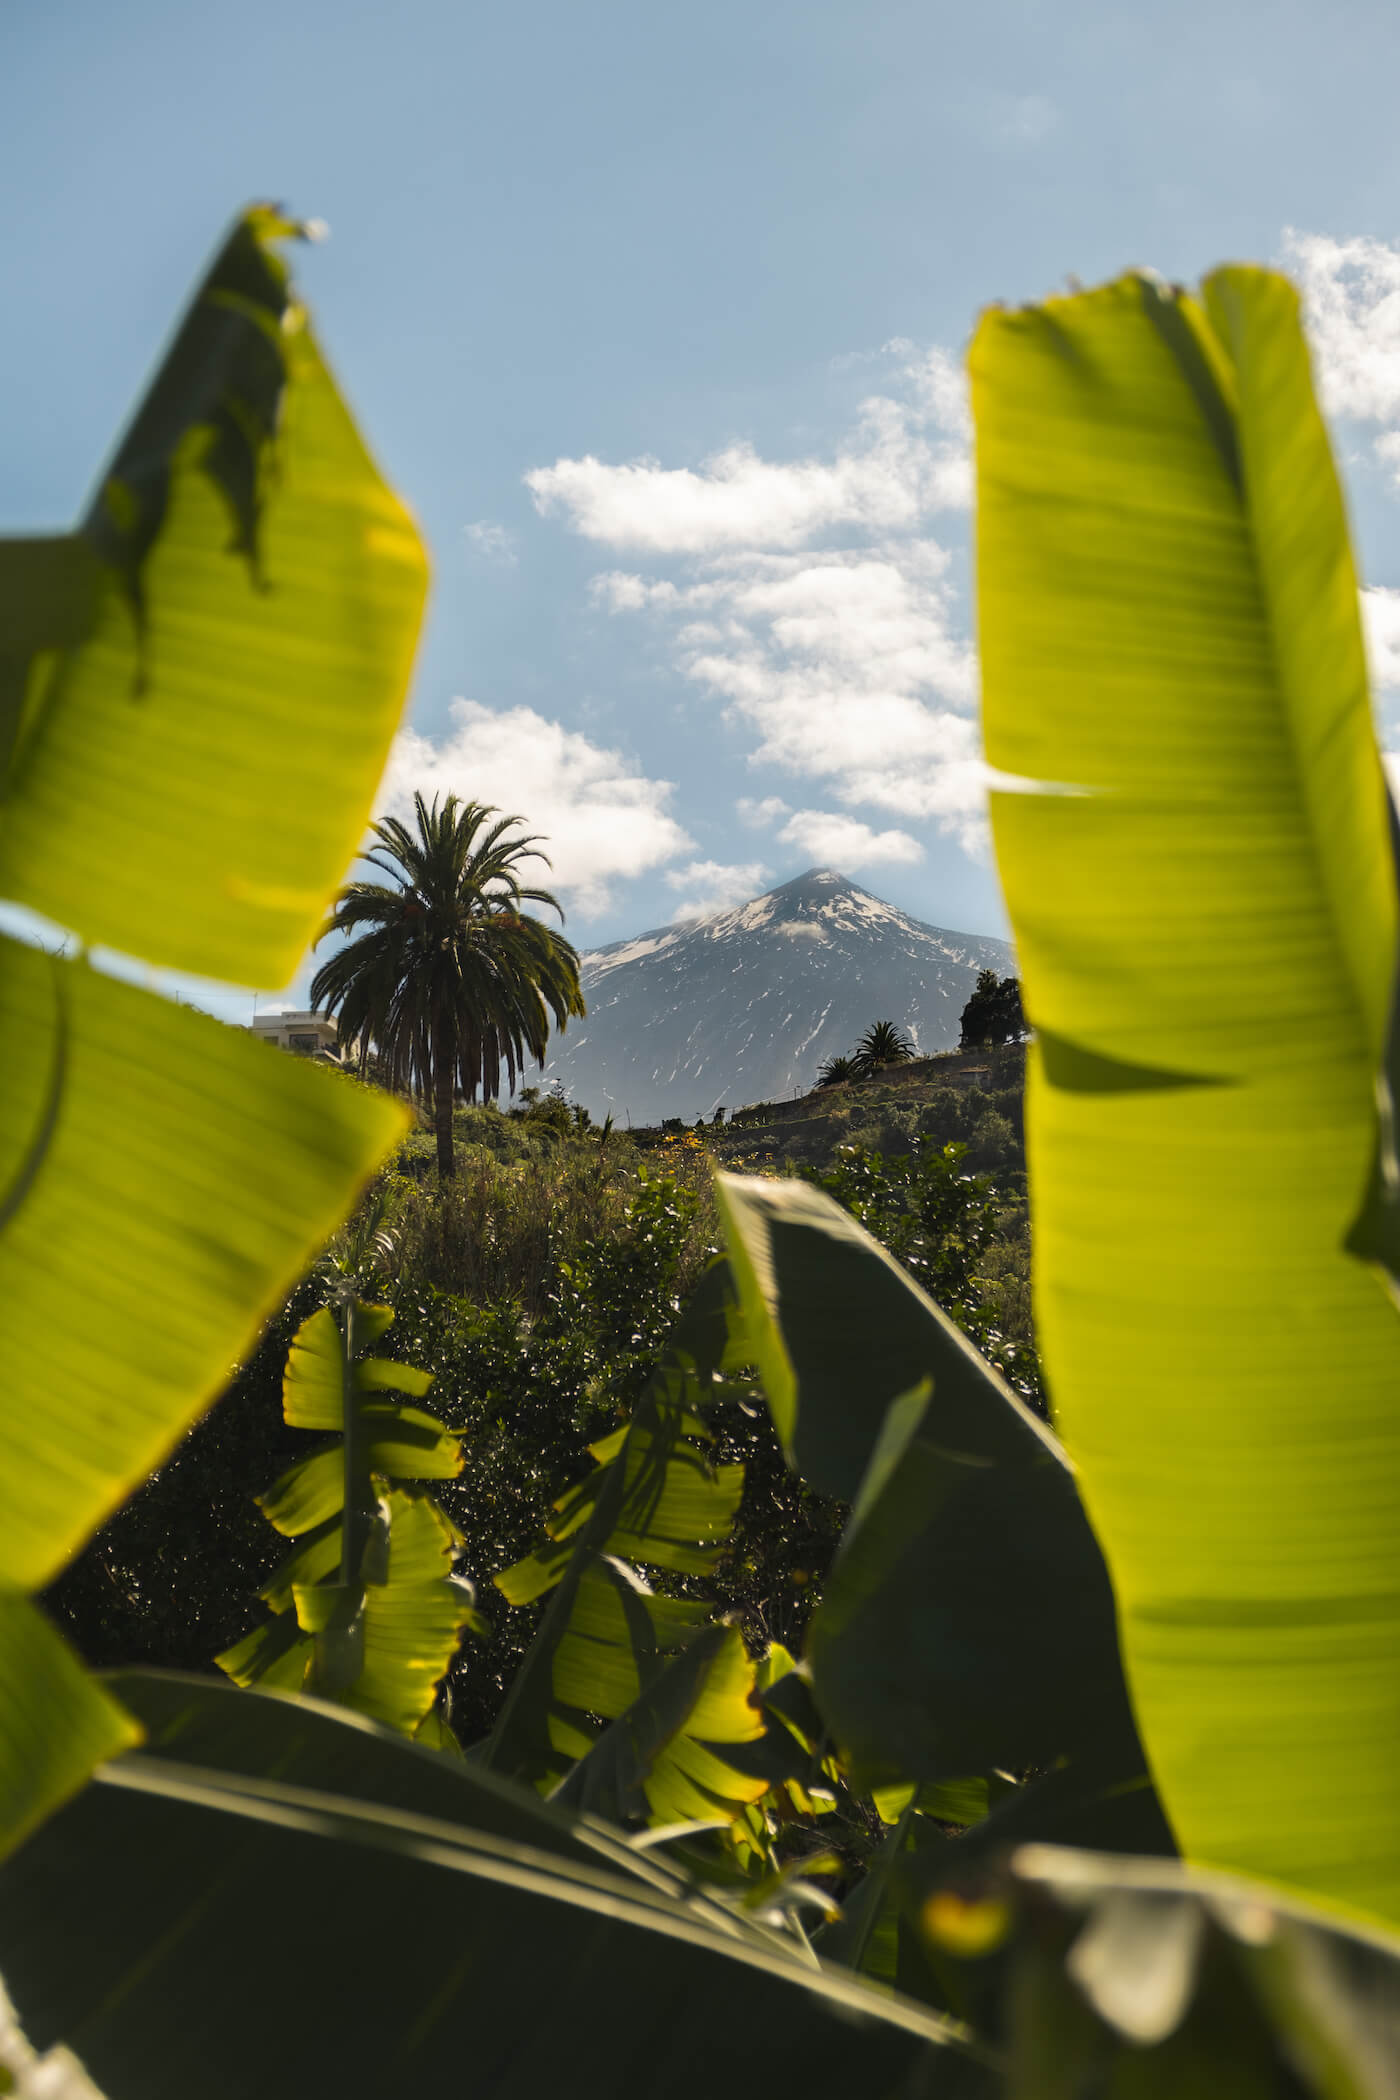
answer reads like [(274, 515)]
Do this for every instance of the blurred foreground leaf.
[(1204, 905), (198, 688), (109, 1938)]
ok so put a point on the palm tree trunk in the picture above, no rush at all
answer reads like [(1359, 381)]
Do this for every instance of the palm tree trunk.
[(442, 1103)]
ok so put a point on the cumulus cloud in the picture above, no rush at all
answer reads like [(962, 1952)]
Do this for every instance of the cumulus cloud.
[(906, 457), (1351, 293), (843, 842), (810, 596), (1380, 616), (759, 814), (845, 664), (600, 820), (716, 885)]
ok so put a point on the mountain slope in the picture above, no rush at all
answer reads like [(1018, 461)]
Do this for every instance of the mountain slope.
[(745, 1005)]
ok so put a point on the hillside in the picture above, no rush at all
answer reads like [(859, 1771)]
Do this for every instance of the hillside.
[(747, 1004), (970, 1097)]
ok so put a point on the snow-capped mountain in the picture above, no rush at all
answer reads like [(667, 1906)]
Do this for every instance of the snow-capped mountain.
[(746, 1005)]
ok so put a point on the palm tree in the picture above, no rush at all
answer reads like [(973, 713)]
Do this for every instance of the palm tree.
[(882, 1044), (444, 975), (835, 1070)]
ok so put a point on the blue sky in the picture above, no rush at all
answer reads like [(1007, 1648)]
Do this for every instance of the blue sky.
[(655, 315)]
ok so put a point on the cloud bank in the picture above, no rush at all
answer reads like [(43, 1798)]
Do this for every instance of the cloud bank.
[(811, 599), (906, 458), (1351, 294), (602, 821), (715, 885)]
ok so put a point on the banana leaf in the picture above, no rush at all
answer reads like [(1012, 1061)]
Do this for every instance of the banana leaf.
[(367, 1609), (967, 1622), (1199, 873), (204, 678), (609, 1644), (180, 1924), (235, 616), (1160, 1981)]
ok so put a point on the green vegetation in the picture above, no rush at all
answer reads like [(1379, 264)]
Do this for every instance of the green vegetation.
[(939, 1853), (445, 979)]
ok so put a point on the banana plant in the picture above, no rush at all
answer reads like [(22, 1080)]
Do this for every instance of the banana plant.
[(198, 687), (1195, 846), (687, 1740), (366, 1608), (963, 1659), (967, 1622)]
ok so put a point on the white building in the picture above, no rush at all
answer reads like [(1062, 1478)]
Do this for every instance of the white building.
[(306, 1034)]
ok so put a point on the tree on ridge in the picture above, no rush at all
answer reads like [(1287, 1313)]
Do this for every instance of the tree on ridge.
[(882, 1044), (443, 975), (993, 1014), (836, 1070)]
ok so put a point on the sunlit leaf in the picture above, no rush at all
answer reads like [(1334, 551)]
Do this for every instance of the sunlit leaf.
[(307, 1494), (607, 1642), (188, 1171), (206, 678), (1177, 641), (370, 1612)]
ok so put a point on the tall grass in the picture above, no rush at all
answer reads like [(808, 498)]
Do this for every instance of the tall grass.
[(525, 1195)]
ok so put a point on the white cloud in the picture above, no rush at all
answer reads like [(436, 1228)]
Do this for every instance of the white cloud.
[(1351, 294), (844, 659), (906, 457), (491, 542), (760, 814), (1380, 616), (846, 666), (843, 842), (600, 820), (715, 885)]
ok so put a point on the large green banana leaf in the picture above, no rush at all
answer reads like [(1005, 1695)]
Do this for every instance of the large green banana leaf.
[(199, 686), (164, 1176), (181, 1172), (967, 1621), (1203, 894), (233, 619), (224, 1914), (277, 1900)]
